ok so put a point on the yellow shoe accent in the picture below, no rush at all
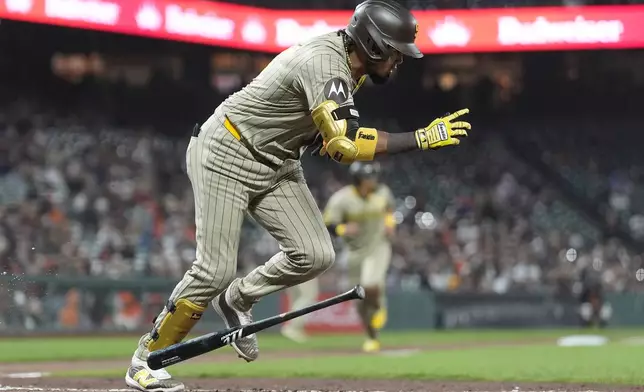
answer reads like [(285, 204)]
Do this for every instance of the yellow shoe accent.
[(144, 378), (371, 346), (379, 319)]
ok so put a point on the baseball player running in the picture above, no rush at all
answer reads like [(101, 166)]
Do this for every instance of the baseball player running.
[(361, 214), (246, 159)]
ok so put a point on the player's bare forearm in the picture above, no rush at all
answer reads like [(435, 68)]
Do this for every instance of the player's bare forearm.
[(441, 132), (395, 143)]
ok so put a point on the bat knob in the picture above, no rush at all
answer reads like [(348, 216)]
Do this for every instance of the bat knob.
[(359, 291)]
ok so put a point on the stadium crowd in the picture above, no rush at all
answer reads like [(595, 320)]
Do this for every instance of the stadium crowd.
[(78, 200)]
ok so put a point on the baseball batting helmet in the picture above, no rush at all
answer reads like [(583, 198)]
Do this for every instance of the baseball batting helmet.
[(364, 170), (378, 27)]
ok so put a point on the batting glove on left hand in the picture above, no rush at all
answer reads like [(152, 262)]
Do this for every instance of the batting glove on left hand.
[(443, 132)]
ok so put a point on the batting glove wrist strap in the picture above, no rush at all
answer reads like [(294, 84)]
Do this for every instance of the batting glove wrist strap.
[(442, 132), (429, 137)]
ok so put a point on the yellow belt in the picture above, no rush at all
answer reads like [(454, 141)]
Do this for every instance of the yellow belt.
[(231, 128)]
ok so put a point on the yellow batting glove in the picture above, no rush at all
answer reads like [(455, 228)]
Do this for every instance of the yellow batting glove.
[(443, 132)]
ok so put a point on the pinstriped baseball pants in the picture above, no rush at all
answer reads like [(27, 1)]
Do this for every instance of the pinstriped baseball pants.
[(228, 182)]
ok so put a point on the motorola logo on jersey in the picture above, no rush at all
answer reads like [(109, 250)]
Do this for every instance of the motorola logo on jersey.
[(337, 90)]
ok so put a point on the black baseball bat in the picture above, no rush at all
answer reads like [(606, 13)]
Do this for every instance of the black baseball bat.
[(202, 344)]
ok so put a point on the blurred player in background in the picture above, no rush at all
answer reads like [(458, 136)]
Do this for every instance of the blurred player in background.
[(594, 311), (245, 159), (362, 215), (300, 296)]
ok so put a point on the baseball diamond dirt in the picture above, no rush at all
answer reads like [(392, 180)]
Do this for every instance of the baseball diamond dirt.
[(265, 385)]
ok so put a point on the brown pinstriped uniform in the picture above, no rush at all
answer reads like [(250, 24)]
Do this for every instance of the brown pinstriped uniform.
[(368, 252), (246, 160)]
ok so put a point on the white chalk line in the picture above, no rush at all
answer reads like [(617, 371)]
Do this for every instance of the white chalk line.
[(26, 375)]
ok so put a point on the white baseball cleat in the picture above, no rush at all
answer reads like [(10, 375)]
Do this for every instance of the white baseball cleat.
[(140, 376)]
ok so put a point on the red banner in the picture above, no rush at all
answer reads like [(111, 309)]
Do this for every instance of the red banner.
[(491, 30), (340, 318)]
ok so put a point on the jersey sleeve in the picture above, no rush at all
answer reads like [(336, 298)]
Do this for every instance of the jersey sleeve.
[(334, 210), (324, 77)]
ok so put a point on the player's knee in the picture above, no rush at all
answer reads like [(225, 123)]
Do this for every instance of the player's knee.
[(325, 257), (315, 258), (213, 280)]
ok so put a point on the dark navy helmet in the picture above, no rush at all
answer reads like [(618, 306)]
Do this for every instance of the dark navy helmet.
[(380, 27)]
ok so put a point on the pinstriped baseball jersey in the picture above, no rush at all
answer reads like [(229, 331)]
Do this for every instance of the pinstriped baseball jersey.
[(272, 113), (346, 205)]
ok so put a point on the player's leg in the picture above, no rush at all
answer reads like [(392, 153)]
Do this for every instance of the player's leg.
[(356, 260), (300, 296), (289, 212), (373, 279), (379, 319), (220, 202)]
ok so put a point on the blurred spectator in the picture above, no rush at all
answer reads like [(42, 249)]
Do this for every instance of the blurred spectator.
[(115, 203)]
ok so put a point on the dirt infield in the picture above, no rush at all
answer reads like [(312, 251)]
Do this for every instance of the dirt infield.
[(265, 385)]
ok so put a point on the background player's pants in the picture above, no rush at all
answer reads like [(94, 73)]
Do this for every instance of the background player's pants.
[(368, 266), (300, 296), (227, 182)]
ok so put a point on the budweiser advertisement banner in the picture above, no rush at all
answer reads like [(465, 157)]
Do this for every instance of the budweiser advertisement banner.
[(259, 29)]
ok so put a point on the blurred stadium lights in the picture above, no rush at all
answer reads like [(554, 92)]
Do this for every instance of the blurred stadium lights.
[(426, 220), (597, 264), (410, 202), (447, 81), (639, 274), (571, 255)]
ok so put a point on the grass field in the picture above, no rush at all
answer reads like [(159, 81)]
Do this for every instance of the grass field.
[(80, 348), (480, 355)]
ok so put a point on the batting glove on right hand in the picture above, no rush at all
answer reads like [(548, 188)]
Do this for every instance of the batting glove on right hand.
[(443, 132)]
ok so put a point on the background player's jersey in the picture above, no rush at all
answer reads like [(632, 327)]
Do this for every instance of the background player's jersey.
[(272, 113), (346, 206)]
